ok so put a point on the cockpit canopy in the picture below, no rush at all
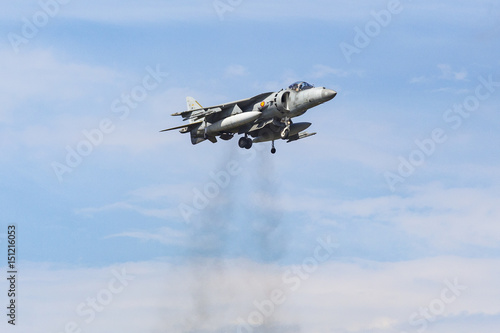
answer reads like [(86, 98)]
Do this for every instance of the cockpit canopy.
[(300, 85)]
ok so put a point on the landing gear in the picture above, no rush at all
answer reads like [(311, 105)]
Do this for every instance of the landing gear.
[(273, 150), (286, 131), (245, 142), (226, 136)]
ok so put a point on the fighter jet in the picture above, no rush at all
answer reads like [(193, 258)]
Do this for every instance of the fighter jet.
[(265, 117)]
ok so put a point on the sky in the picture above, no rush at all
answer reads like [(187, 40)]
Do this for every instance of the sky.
[(385, 221)]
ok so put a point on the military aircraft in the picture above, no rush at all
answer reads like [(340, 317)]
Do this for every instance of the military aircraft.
[(265, 117)]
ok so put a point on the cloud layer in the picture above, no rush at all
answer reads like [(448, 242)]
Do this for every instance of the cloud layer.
[(432, 295)]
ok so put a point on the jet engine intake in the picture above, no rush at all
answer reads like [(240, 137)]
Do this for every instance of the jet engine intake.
[(283, 101)]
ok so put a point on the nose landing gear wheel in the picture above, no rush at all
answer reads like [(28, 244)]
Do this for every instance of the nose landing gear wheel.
[(285, 133), (273, 150)]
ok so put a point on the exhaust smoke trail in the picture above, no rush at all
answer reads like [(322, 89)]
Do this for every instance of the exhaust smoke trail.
[(209, 233), (241, 223)]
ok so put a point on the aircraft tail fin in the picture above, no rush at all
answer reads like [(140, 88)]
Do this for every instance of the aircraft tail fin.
[(193, 104), (194, 110)]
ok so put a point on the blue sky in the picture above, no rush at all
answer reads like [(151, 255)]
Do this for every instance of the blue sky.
[(402, 176)]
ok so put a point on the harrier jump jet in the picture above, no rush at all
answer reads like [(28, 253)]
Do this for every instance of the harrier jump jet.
[(265, 117)]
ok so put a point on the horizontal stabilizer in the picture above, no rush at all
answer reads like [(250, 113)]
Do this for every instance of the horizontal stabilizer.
[(198, 112), (188, 127)]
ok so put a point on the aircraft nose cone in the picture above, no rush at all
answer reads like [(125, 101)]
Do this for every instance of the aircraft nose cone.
[(328, 94)]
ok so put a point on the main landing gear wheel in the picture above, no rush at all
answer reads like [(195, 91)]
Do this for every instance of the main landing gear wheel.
[(245, 142), (273, 150)]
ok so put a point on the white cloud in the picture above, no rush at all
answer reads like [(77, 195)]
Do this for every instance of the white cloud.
[(49, 102), (455, 91), (449, 219), (236, 70), (210, 295), (123, 11), (161, 11), (39, 76), (446, 220), (121, 206), (157, 11), (447, 73), (148, 201), (419, 79), (321, 71), (163, 235)]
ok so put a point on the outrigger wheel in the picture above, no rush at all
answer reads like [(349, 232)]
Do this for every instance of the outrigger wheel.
[(273, 150)]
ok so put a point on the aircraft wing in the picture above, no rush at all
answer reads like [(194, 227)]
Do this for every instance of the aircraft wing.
[(197, 114)]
